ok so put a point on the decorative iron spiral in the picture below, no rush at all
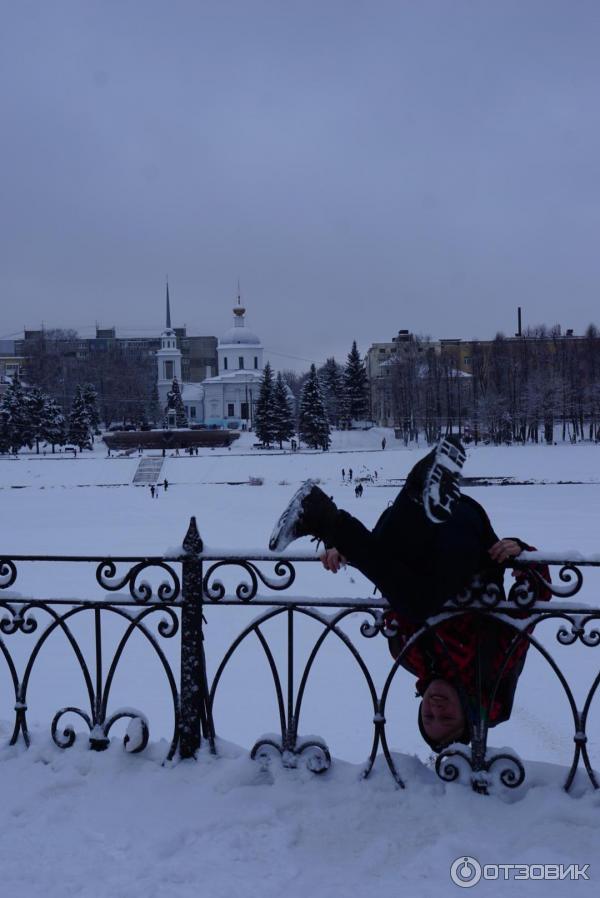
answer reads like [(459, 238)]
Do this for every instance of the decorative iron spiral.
[(214, 589), (168, 591), (511, 776), (569, 635), (17, 619), (380, 624), (67, 738), (8, 573), (568, 574)]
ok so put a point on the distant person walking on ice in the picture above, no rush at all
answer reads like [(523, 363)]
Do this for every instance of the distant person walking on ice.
[(152, 490), (350, 474), (343, 474), (166, 484), (426, 548), (383, 443), (358, 490)]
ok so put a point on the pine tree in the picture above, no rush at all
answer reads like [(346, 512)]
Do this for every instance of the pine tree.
[(36, 406), (4, 430), (264, 424), (313, 421), (283, 417), (331, 376), (16, 426), (153, 408), (356, 386), (54, 427), (90, 397), (79, 424), (175, 403)]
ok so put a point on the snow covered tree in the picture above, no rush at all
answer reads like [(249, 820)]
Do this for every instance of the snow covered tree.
[(90, 397), (153, 407), (175, 403), (54, 426), (36, 408), (264, 423), (79, 423), (331, 377), (283, 416), (16, 426), (356, 386), (313, 423), (4, 430)]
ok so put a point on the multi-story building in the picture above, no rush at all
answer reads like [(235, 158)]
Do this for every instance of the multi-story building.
[(381, 357), (198, 354), (379, 361), (10, 363)]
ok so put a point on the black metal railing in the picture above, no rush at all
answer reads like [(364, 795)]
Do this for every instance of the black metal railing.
[(190, 583)]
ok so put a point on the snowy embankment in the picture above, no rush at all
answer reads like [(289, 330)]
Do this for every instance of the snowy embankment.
[(113, 824), (102, 825)]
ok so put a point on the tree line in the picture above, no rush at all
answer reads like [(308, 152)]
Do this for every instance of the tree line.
[(124, 380), (532, 389), (313, 403), (30, 417)]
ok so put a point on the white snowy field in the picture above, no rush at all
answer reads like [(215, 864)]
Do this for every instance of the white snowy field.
[(112, 824)]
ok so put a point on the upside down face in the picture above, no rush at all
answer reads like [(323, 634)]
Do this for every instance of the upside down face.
[(442, 714)]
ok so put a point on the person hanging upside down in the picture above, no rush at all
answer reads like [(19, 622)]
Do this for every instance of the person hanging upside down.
[(428, 547)]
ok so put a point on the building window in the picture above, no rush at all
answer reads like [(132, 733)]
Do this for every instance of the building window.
[(168, 370), (225, 363), (240, 361), (193, 411), (467, 360), (230, 411), (187, 411), (256, 361), (244, 413)]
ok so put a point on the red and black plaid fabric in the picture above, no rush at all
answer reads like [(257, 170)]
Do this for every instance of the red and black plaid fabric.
[(450, 652)]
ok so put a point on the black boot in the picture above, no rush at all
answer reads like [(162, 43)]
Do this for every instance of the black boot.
[(309, 513), (434, 482)]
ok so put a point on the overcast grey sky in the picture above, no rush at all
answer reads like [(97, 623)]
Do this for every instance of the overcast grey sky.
[(360, 166)]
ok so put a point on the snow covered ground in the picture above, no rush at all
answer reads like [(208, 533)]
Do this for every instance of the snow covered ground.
[(115, 824)]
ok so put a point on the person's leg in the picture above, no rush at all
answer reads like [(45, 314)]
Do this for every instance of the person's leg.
[(399, 556), (394, 555), (417, 565)]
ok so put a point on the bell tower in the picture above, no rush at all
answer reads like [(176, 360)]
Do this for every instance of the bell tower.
[(168, 357)]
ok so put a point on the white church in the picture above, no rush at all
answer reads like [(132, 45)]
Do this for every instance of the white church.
[(227, 400)]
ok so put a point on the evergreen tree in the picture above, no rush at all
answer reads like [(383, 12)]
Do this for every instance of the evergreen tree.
[(79, 423), (264, 423), (175, 403), (283, 417), (313, 424), (90, 397), (16, 426), (153, 409), (356, 386), (331, 376), (54, 427), (4, 430), (36, 407)]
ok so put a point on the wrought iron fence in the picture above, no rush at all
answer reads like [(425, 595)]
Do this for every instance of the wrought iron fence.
[(191, 583)]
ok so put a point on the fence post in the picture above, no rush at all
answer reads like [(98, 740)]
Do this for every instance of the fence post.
[(193, 686)]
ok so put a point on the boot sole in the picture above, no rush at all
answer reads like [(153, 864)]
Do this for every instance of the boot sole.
[(282, 534), (443, 476)]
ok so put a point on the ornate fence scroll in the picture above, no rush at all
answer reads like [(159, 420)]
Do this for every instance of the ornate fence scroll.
[(163, 600)]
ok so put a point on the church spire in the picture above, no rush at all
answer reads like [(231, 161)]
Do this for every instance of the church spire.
[(168, 308)]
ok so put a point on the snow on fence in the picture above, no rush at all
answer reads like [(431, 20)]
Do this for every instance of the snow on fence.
[(172, 610)]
